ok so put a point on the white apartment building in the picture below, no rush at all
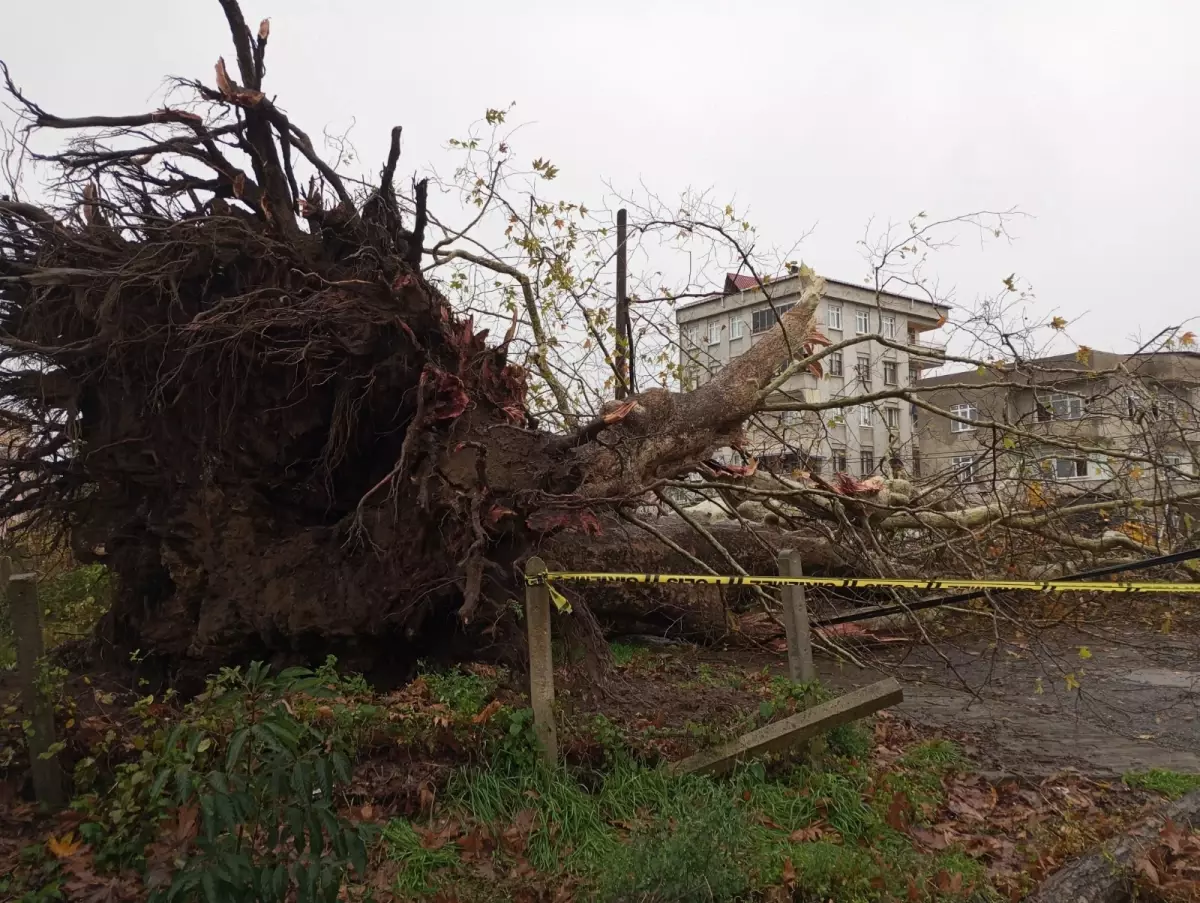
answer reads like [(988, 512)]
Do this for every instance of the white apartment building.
[(860, 440)]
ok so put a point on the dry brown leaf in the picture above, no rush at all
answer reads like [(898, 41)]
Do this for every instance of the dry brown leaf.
[(898, 811), (63, 847), (789, 873), (1144, 866), (806, 835), (488, 711), (1173, 836), (264, 29)]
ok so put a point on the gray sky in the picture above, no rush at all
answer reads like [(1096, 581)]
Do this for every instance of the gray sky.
[(1083, 114)]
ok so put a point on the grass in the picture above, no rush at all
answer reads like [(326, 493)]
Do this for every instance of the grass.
[(1171, 784), (635, 832), (625, 654), (418, 865)]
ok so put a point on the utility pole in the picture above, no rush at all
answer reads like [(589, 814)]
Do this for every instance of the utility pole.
[(624, 330)]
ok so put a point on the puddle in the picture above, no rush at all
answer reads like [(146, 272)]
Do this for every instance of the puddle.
[(1163, 677)]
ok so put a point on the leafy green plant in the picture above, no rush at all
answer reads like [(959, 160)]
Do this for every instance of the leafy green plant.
[(462, 692), (251, 818)]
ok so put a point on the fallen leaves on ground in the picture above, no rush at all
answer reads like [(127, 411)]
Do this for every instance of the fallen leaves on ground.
[(1169, 870)]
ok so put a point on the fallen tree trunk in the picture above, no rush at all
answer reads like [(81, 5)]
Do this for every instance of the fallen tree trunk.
[(1106, 874), (690, 612)]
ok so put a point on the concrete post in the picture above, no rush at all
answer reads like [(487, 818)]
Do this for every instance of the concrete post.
[(541, 662), (795, 621), (27, 627), (795, 730)]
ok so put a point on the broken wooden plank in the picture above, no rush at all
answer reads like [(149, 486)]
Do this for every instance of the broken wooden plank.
[(795, 729), (541, 662)]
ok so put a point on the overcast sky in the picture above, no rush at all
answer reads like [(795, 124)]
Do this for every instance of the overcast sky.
[(1082, 114)]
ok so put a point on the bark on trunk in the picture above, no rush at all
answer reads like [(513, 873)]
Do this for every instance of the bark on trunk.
[(1105, 875)]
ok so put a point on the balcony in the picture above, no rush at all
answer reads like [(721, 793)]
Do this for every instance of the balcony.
[(924, 348)]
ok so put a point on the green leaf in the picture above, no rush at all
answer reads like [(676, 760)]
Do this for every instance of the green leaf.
[(224, 810), (316, 837), (160, 783), (209, 883), (295, 820), (341, 767), (236, 742), (302, 781), (324, 778), (357, 849)]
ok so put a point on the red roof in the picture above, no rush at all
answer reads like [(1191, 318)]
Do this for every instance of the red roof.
[(737, 282)]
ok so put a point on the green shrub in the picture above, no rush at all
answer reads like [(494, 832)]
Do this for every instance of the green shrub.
[(261, 801), (461, 692)]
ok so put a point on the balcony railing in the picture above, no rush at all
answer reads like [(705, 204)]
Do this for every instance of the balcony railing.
[(924, 346)]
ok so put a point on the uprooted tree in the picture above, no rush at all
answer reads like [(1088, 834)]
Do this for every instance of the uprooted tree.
[(228, 374), (241, 391)]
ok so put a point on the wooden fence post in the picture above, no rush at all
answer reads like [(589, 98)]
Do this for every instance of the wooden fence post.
[(27, 626), (541, 661), (795, 621)]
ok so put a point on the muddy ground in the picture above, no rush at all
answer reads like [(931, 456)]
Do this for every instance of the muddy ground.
[(1104, 701)]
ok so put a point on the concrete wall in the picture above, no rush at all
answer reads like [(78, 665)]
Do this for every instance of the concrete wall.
[(1112, 412)]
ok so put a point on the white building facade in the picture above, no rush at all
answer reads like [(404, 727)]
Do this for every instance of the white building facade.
[(861, 439)]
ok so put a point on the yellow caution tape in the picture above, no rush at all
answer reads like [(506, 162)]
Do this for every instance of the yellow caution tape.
[(560, 601), (1037, 586)]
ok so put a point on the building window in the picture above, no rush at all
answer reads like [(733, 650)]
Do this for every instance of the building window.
[(914, 373), (1070, 468), (839, 460), (866, 461), (691, 334), (714, 332), (833, 316), (889, 327), (963, 467), (737, 327), (762, 320), (864, 415), (814, 465), (890, 377), (789, 418), (916, 463), (1058, 407), (966, 412), (863, 368), (892, 417), (835, 363), (862, 322)]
